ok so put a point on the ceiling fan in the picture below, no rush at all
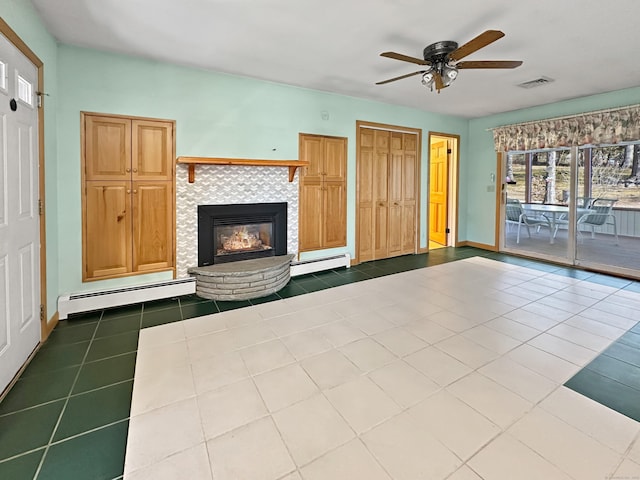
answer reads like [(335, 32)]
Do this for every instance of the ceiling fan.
[(442, 60)]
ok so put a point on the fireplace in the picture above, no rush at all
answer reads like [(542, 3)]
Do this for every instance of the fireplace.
[(228, 233)]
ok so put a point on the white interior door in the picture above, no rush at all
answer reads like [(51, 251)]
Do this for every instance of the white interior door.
[(19, 215)]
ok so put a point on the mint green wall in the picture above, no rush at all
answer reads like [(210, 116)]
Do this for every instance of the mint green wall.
[(216, 115), (224, 115), (480, 161), (23, 19)]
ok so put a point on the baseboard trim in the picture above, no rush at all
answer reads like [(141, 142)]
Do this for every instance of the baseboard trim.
[(483, 246), (48, 327)]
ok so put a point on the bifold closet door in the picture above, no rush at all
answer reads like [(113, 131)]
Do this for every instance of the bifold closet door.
[(387, 194)]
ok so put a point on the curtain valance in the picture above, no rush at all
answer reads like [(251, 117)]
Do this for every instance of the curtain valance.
[(602, 127)]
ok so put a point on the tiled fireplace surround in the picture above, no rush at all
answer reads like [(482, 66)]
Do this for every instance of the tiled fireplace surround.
[(222, 184)]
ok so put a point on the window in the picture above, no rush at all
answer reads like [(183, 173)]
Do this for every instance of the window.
[(3, 76), (25, 90), (604, 171)]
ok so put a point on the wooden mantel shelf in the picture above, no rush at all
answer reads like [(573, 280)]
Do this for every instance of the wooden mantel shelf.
[(193, 161)]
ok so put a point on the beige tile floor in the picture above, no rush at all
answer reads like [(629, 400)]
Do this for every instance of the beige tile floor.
[(450, 372)]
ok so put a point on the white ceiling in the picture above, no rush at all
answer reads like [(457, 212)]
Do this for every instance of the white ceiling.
[(586, 46)]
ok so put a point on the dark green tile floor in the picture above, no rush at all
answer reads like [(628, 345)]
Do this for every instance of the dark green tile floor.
[(68, 414), (613, 377)]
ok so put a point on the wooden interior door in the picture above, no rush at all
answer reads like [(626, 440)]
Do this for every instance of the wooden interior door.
[(387, 193), (409, 193), (395, 197), (107, 148), (381, 193), (366, 204), (438, 194)]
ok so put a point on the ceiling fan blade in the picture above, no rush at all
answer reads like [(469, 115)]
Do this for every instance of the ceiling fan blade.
[(404, 58), (489, 64), (438, 81), (399, 78), (475, 44)]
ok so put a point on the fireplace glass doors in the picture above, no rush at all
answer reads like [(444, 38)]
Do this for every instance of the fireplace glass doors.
[(227, 233)]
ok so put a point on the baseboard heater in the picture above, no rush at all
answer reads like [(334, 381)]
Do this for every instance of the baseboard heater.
[(88, 301), (320, 264)]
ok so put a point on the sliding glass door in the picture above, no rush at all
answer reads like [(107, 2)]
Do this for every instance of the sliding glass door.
[(579, 206), (536, 193), (608, 234)]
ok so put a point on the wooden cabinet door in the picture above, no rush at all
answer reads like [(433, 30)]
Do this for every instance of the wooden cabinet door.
[(107, 148), (107, 229), (310, 229), (310, 199), (335, 159), (312, 150), (152, 150), (335, 206), (152, 225), (335, 192), (128, 202), (322, 219)]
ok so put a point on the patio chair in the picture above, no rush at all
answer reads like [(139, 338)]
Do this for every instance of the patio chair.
[(599, 215), (515, 214), (563, 220), (584, 202)]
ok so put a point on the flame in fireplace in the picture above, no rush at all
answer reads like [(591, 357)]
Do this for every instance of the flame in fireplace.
[(242, 240)]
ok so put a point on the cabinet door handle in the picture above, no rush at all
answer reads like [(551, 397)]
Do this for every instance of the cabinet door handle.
[(381, 204), (135, 170), (128, 191), (127, 170), (135, 191)]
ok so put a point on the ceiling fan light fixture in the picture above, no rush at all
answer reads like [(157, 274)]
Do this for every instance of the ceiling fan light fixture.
[(427, 79), (449, 74)]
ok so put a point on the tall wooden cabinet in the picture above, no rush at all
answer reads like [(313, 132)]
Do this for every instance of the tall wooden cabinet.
[(387, 196), (322, 218), (128, 195)]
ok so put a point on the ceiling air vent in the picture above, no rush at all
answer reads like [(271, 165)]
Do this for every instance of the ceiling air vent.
[(538, 82)]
